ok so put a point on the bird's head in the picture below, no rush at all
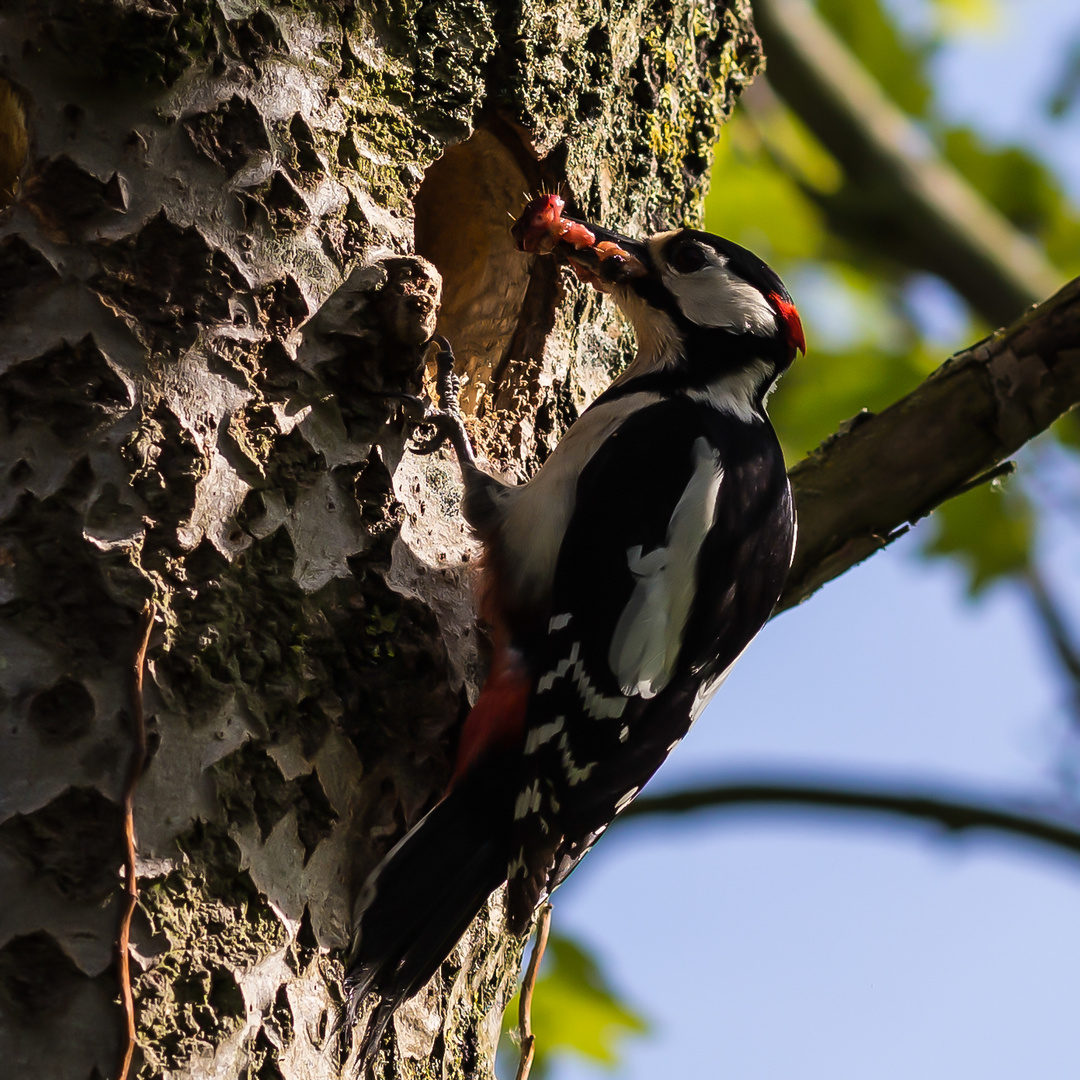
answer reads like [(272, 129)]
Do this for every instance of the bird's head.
[(704, 309)]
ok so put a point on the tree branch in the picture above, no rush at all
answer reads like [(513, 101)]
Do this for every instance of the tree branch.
[(954, 815), (899, 188), (1057, 631), (862, 487)]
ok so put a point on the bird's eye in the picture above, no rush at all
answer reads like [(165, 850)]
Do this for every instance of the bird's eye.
[(687, 259)]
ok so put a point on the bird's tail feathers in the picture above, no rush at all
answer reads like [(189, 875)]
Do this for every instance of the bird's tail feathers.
[(418, 902)]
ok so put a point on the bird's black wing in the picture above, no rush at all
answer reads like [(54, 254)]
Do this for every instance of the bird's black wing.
[(673, 558)]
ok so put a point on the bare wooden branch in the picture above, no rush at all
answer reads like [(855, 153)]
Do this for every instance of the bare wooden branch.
[(955, 815), (1057, 629), (863, 486)]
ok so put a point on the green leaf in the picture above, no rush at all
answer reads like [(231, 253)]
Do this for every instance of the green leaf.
[(575, 1009)]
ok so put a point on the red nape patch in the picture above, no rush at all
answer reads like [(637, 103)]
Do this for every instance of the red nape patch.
[(792, 323), (497, 720)]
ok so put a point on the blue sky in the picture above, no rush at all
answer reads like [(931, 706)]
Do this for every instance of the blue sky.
[(762, 946), (765, 946)]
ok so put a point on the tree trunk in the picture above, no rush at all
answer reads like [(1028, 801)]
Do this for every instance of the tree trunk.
[(209, 262)]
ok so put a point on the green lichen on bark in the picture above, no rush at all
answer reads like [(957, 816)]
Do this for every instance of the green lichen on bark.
[(634, 94), (216, 924)]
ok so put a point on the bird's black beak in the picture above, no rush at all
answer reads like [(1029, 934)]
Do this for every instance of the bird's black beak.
[(613, 258), (600, 257)]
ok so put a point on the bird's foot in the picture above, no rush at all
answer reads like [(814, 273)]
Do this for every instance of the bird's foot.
[(448, 421)]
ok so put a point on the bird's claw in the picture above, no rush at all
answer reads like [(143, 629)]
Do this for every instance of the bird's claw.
[(445, 425), (414, 408), (447, 384), (448, 421)]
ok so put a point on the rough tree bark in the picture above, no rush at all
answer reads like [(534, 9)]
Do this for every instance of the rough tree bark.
[(211, 255)]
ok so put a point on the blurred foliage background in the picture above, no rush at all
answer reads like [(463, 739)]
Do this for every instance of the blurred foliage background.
[(877, 321), (829, 169)]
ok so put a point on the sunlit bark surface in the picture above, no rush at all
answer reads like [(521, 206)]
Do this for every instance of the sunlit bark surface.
[(228, 225)]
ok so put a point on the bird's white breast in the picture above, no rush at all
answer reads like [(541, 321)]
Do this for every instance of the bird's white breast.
[(538, 512)]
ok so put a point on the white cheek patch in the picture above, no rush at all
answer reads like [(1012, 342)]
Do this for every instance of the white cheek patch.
[(715, 296)]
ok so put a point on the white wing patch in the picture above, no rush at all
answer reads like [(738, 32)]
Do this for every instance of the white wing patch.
[(648, 636), (574, 773), (528, 801), (538, 736)]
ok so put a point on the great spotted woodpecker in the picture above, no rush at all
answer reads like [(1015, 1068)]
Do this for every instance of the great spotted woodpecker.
[(622, 582)]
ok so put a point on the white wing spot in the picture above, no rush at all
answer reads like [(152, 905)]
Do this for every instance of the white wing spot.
[(624, 733), (559, 622), (626, 800), (559, 671), (543, 734), (528, 801), (598, 706), (574, 774)]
